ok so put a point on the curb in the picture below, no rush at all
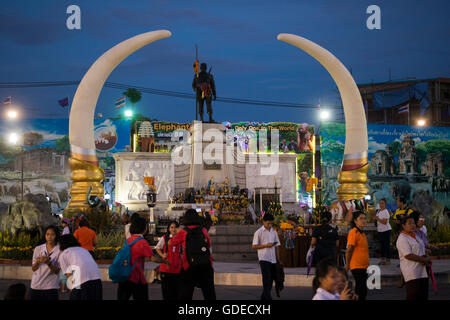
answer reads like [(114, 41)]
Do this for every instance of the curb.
[(18, 272)]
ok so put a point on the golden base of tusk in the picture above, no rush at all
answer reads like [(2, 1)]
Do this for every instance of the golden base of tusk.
[(353, 184), (84, 175)]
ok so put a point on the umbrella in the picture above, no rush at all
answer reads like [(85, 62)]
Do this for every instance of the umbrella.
[(433, 280), (311, 258)]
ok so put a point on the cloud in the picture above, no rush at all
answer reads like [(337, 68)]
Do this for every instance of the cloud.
[(374, 146), (50, 136)]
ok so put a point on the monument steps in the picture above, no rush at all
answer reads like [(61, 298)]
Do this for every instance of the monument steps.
[(233, 243)]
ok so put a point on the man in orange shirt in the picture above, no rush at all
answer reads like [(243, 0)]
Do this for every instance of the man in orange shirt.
[(86, 236)]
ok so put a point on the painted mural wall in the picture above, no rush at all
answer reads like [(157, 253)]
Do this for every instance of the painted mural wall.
[(45, 155), (413, 162)]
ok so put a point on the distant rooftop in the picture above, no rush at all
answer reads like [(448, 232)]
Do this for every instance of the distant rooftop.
[(443, 79)]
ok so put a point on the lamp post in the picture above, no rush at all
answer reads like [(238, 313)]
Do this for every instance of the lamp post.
[(129, 115), (14, 139), (151, 200)]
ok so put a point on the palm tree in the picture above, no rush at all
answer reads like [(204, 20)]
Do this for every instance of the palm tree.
[(133, 95)]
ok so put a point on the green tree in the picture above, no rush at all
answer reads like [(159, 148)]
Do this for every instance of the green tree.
[(433, 146), (395, 147), (31, 139), (63, 144), (305, 162)]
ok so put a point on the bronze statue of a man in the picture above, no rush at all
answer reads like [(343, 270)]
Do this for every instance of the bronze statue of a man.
[(204, 86)]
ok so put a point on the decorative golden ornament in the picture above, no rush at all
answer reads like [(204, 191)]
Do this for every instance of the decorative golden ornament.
[(84, 175), (353, 184)]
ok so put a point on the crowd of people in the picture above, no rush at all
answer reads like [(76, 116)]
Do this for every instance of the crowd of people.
[(410, 238), (185, 258)]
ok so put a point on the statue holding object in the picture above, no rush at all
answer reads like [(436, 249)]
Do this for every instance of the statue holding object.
[(205, 88)]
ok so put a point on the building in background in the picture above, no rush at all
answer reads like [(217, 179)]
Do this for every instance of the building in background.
[(406, 102)]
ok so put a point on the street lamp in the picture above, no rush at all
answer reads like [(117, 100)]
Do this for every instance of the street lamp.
[(421, 122), (12, 114), (128, 113), (324, 115), (13, 138)]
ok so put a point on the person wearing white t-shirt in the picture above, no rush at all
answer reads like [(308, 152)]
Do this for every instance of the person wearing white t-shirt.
[(45, 267), (413, 261), (384, 232), (266, 241), (81, 270)]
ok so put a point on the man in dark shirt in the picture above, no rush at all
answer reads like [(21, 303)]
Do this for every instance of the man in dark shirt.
[(325, 239)]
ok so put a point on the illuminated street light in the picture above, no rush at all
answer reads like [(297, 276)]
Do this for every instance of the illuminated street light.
[(12, 114), (421, 122), (128, 113), (13, 138), (324, 115)]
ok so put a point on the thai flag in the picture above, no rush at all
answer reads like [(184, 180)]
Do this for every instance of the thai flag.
[(404, 108), (120, 102), (64, 102), (7, 102)]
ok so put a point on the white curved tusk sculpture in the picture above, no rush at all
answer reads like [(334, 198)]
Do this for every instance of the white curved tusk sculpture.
[(84, 163), (353, 175)]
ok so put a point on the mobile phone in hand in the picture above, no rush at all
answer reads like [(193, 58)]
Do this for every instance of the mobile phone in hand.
[(350, 285)]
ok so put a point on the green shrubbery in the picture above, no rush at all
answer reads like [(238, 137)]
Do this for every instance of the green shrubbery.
[(439, 235), (116, 239), (21, 240)]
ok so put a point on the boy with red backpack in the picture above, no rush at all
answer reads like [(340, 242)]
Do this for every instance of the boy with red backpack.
[(197, 260)]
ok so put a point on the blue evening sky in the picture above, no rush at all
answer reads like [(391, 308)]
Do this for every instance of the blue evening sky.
[(238, 38)]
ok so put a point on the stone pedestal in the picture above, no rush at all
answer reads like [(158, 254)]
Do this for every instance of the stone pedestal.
[(202, 137), (171, 178)]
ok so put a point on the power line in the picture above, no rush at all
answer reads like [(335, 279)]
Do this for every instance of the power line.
[(175, 94)]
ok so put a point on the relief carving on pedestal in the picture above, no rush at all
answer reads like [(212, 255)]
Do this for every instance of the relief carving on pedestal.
[(134, 173)]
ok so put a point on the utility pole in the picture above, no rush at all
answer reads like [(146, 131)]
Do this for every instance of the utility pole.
[(21, 180), (196, 69)]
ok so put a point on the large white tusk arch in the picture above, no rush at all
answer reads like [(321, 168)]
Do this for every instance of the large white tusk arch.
[(356, 133), (81, 122), (355, 163)]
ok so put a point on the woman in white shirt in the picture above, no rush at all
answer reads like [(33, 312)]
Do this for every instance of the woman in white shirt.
[(45, 278), (413, 261), (384, 232), (81, 270), (65, 224), (325, 283)]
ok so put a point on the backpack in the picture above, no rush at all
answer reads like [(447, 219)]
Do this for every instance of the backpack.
[(120, 269), (197, 250)]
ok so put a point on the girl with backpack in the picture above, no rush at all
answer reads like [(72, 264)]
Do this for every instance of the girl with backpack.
[(135, 284), (169, 275), (197, 260)]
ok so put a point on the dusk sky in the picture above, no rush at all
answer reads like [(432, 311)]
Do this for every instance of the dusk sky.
[(236, 38)]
